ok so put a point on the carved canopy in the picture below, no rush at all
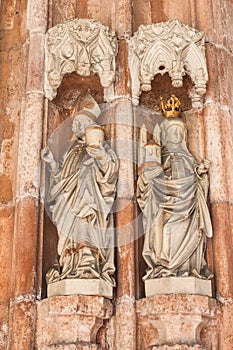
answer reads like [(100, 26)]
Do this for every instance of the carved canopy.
[(168, 47), (81, 45)]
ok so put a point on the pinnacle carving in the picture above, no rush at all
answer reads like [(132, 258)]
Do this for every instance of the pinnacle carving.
[(80, 45), (168, 47)]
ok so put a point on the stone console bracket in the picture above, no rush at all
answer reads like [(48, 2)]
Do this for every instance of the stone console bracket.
[(69, 321), (163, 320)]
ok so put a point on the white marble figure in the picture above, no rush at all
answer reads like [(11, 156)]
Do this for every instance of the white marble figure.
[(172, 197), (81, 194)]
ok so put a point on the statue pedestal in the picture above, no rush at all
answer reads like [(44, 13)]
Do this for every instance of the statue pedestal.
[(72, 322), (178, 285), (80, 286), (177, 321)]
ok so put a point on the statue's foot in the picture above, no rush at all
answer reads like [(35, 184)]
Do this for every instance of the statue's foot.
[(183, 274), (205, 271), (87, 272), (52, 275)]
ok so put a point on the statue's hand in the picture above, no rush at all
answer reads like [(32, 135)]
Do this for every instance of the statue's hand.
[(96, 152), (204, 166), (47, 156), (153, 172)]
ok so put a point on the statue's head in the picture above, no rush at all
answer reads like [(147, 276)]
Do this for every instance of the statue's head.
[(173, 131), (85, 112)]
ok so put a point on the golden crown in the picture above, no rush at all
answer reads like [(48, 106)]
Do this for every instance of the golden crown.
[(172, 108)]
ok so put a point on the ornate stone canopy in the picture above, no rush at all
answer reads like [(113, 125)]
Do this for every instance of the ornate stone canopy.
[(168, 47), (84, 46)]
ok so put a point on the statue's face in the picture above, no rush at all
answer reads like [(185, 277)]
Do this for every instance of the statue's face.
[(79, 125), (175, 134)]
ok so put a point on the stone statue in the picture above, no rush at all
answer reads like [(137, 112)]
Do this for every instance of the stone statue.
[(172, 196), (80, 197)]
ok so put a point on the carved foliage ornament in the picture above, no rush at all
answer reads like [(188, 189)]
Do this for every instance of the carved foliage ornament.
[(80, 45), (168, 47)]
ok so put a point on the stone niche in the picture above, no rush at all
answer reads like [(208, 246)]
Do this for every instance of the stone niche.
[(79, 57)]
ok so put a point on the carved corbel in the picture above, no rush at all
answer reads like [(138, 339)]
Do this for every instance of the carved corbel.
[(81, 45), (168, 47)]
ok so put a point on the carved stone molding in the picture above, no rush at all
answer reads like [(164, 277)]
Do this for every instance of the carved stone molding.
[(168, 47), (80, 45)]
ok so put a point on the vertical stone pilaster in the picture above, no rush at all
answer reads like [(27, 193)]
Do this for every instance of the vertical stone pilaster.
[(25, 242), (8, 13), (218, 148), (125, 318)]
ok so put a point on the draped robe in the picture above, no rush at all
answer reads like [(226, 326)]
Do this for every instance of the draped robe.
[(80, 198), (176, 218)]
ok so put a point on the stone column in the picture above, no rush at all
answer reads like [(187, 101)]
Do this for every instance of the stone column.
[(125, 320), (216, 20), (25, 241), (217, 123)]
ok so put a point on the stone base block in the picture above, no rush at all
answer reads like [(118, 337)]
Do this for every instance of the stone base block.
[(71, 322), (177, 322), (178, 285), (80, 286)]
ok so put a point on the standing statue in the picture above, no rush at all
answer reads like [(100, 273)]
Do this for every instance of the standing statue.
[(171, 192), (80, 197)]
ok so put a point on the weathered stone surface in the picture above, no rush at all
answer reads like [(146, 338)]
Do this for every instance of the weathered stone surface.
[(215, 152), (30, 146), (65, 10), (178, 285), (24, 257), (196, 133), (22, 323), (7, 13), (37, 16), (6, 194), (174, 319), (97, 13), (80, 286), (6, 229), (225, 320), (36, 64), (168, 11), (210, 135), (70, 321), (222, 250), (125, 322), (124, 149), (142, 13)]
